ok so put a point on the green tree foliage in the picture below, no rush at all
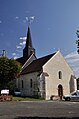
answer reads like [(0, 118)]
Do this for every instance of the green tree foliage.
[(9, 70)]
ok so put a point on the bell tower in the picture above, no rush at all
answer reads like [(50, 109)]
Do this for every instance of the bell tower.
[(28, 51)]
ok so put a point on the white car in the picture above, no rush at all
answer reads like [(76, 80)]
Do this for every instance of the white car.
[(72, 96)]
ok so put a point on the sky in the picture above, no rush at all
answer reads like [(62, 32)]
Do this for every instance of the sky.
[(53, 27)]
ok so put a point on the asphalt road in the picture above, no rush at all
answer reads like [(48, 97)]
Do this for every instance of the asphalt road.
[(39, 110)]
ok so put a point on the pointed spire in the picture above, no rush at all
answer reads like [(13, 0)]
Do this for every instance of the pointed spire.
[(28, 40), (28, 50)]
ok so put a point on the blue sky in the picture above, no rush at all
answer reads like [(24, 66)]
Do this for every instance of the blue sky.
[(53, 28)]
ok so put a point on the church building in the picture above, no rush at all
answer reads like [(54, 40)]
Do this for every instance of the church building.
[(46, 77)]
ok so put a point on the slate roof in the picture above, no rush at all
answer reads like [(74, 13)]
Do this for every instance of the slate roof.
[(28, 50), (22, 60), (37, 64)]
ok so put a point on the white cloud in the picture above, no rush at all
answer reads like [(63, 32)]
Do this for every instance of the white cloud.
[(23, 38), (32, 17), (73, 61), (13, 53), (15, 57), (20, 51), (18, 47), (16, 17), (27, 18), (17, 54), (22, 43), (72, 54)]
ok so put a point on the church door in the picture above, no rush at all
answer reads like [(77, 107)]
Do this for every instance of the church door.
[(60, 91)]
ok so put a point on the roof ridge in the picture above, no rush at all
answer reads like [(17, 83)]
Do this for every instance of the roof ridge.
[(36, 65), (46, 56)]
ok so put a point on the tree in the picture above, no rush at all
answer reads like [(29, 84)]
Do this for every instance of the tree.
[(9, 70)]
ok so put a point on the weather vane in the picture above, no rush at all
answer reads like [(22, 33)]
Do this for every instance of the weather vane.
[(30, 19)]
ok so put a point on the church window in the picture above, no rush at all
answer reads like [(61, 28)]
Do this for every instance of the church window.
[(31, 83), (60, 74), (22, 84)]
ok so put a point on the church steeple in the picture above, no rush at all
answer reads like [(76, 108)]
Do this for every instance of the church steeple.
[(29, 41), (28, 50)]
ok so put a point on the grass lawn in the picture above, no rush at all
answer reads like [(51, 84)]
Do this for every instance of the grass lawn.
[(25, 99)]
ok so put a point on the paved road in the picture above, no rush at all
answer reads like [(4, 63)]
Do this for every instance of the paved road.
[(40, 109)]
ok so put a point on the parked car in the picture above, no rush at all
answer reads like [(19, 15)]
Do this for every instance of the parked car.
[(72, 96), (17, 93)]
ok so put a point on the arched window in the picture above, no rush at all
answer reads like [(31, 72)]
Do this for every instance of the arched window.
[(22, 85), (60, 74), (31, 83)]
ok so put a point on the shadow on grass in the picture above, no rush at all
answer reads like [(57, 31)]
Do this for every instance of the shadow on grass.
[(46, 118)]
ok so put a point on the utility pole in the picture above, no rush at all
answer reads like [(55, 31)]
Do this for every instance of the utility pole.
[(77, 41)]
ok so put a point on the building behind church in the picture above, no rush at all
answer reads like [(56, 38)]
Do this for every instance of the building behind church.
[(44, 77)]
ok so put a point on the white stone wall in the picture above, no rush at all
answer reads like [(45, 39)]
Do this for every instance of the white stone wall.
[(27, 90), (52, 67), (42, 85)]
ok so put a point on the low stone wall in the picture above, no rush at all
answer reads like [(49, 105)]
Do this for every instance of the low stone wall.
[(55, 97), (5, 98)]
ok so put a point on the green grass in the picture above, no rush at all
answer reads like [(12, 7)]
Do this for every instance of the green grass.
[(25, 99)]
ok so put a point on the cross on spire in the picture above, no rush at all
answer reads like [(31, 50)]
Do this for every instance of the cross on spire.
[(28, 50), (30, 20)]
